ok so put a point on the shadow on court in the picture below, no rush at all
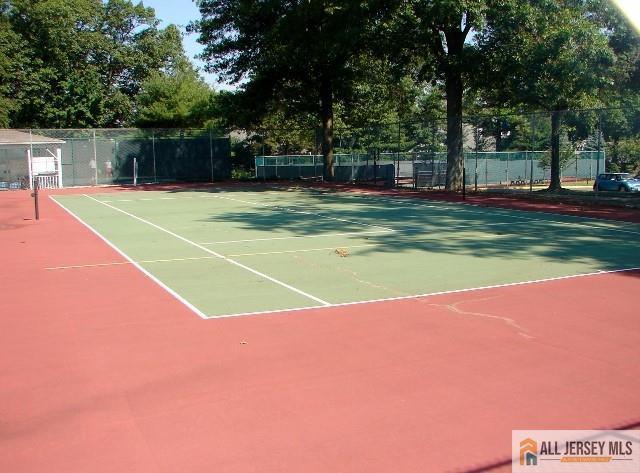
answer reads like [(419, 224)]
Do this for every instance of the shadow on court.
[(437, 227)]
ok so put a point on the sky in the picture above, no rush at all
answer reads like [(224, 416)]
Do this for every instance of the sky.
[(631, 8), (180, 13)]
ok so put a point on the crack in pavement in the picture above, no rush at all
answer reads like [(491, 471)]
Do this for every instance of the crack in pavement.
[(522, 331)]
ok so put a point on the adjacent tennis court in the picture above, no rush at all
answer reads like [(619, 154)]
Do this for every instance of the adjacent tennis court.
[(235, 251)]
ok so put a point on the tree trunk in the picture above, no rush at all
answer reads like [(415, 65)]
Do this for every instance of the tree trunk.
[(555, 184), (455, 159), (326, 112)]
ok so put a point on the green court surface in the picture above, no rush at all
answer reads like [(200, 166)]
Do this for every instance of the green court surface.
[(229, 252)]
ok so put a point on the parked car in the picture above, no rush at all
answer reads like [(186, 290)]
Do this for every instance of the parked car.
[(617, 181)]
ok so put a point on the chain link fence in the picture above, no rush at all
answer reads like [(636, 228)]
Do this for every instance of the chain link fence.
[(90, 157), (499, 151)]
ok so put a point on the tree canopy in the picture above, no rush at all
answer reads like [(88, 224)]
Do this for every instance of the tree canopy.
[(79, 63), (176, 99), (302, 56), (335, 65)]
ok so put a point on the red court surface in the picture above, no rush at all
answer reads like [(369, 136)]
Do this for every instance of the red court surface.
[(101, 370)]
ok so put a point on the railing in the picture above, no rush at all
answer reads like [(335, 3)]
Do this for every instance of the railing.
[(48, 181)]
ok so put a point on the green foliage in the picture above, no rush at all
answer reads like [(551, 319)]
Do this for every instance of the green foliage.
[(78, 63), (285, 49), (11, 52), (546, 54), (625, 154), (177, 99), (296, 58), (567, 153), (624, 41)]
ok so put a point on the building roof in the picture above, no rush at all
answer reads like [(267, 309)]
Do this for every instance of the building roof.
[(15, 137)]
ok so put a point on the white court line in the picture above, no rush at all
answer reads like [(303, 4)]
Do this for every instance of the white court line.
[(181, 299), (319, 235), (300, 251), (197, 258), (110, 201), (430, 294), (96, 265), (211, 252)]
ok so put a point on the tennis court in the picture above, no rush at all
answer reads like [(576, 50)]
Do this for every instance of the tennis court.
[(106, 366), (235, 251)]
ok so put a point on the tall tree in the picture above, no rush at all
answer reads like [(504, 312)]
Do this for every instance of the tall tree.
[(546, 54), (12, 59), (76, 63), (299, 54), (439, 32)]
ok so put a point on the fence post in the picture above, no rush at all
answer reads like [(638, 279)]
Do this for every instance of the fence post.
[(476, 169), (264, 162), (29, 160), (353, 169), (533, 132), (315, 172), (153, 153), (506, 170), (414, 170), (211, 152), (135, 172), (398, 165), (59, 162), (464, 179), (599, 144), (95, 158)]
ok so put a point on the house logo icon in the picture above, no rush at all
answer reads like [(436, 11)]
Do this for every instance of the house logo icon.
[(528, 452)]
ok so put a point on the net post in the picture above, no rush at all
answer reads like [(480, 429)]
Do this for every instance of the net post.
[(35, 194)]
